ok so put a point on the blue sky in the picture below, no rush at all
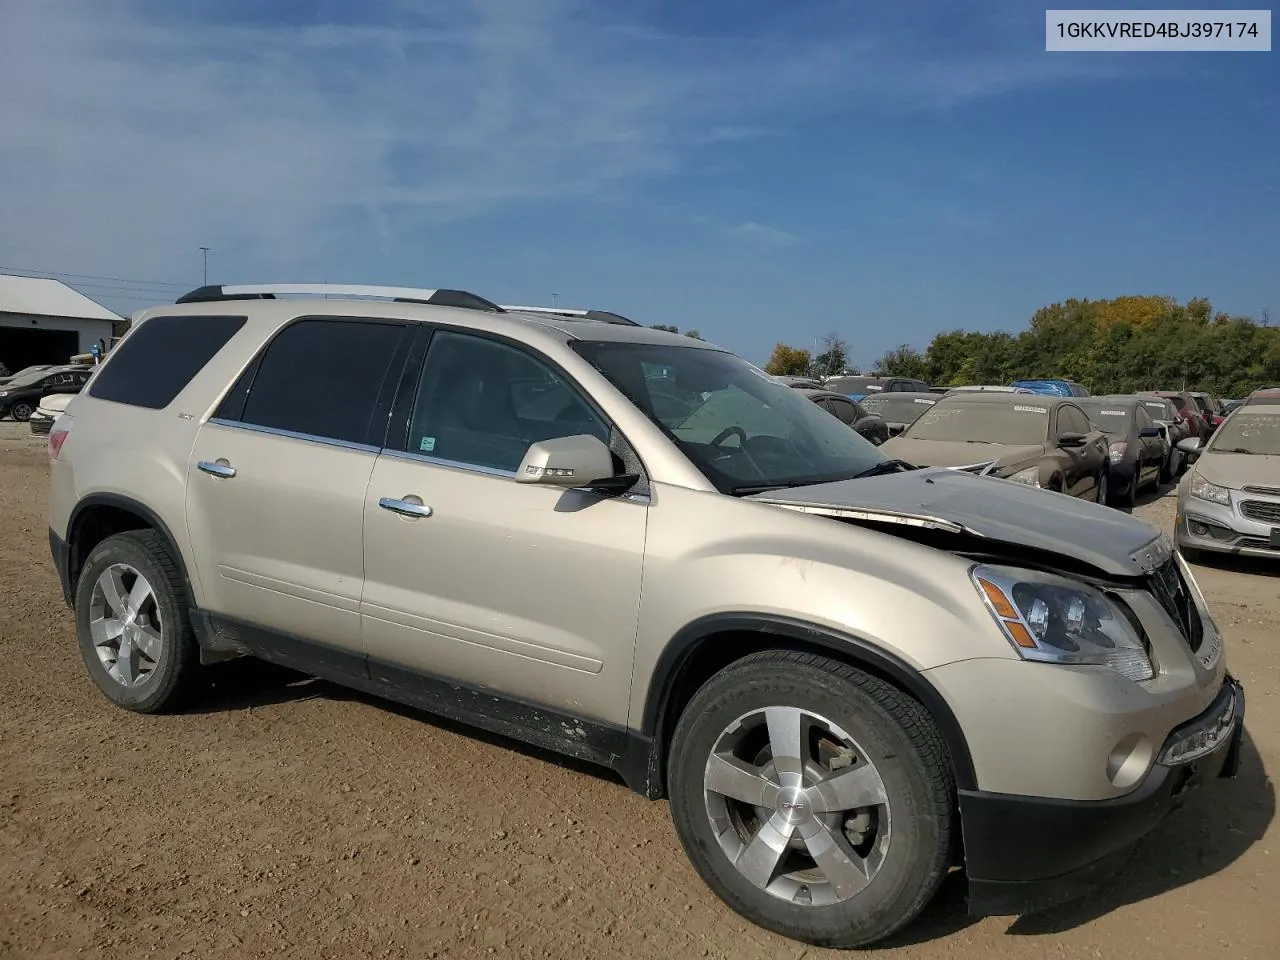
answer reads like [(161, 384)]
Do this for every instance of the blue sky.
[(758, 171)]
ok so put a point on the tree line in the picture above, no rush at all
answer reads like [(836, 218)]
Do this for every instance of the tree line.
[(1110, 346)]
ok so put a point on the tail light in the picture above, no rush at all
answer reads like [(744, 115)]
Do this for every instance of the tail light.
[(58, 435)]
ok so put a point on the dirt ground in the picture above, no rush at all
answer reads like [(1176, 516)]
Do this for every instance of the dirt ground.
[(287, 817)]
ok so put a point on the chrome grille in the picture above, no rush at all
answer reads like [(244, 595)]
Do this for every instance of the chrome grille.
[(1170, 589), (1265, 491), (1263, 511)]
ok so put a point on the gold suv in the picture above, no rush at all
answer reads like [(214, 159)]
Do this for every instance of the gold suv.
[(846, 674)]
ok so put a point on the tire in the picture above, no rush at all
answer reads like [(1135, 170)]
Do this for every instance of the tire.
[(21, 411), (1168, 468), (163, 657), (1129, 497), (906, 839), (1103, 488)]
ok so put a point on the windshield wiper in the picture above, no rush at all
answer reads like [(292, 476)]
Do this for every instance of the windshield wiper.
[(885, 466), (1236, 450)]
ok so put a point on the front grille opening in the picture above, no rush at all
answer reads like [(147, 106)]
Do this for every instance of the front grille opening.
[(1174, 595), (1264, 511)]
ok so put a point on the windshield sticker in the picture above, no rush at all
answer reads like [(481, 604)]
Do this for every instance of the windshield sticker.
[(937, 416), (427, 445), (1112, 413), (1031, 409), (925, 402)]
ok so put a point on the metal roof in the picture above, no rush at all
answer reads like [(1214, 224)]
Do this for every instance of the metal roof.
[(48, 298)]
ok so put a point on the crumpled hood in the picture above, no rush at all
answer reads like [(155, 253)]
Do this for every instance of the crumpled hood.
[(992, 509), (1238, 470), (957, 453)]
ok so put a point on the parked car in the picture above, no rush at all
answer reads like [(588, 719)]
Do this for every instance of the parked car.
[(1263, 395), (20, 396), (988, 388), (24, 372), (1210, 409), (899, 410), (868, 424), (806, 383), (832, 665), (1231, 406), (1229, 500), (1135, 453), (1041, 441), (50, 408), (1053, 387), (1173, 429), (858, 387), (1187, 409)]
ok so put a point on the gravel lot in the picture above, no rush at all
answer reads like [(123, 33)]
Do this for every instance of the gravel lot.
[(283, 816)]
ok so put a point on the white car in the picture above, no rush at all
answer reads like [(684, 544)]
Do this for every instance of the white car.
[(51, 407)]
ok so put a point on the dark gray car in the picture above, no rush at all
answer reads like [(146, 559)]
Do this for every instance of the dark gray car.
[(868, 424), (900, 410), (1135, 454)]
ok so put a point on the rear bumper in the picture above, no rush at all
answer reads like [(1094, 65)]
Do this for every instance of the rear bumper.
[(40, 424), (61, 557), (1024, 854)]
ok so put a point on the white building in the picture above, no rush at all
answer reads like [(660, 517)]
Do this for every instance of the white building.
[(45, 321)]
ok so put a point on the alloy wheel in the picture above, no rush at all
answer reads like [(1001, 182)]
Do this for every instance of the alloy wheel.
[(126, 625), (797, 806)]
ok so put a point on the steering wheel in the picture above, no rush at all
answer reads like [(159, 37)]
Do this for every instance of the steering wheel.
[(726, 433)]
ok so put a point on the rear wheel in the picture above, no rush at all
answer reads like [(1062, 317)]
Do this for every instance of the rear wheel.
[(132, 619), (21, 410), (1104, 487), (815, 800), (1130, 495)]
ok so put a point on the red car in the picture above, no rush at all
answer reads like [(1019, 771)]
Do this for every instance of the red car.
[(1188, 410)]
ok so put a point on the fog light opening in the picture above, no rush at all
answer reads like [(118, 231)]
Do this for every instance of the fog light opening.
[(1129, 760)]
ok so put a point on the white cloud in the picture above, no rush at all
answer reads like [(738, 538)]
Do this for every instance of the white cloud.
[(757, 234), (132, 133)]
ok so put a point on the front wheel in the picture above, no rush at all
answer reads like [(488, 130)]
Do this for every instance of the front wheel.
[(21, 411), (1103, 488), (815, 800)]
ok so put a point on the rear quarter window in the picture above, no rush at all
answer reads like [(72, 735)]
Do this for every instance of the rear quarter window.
[(153, 363)]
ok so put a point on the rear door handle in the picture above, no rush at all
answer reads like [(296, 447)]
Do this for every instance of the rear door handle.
[(217, 468), (406, 508)]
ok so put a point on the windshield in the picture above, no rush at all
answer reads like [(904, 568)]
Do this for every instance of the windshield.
[(1110, 418), (745, 431), (860, 386), (1247, 432), (1018, 424), (897, 407), (27, 379)]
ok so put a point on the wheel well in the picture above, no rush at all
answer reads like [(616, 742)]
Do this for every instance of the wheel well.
[(714, 652), (94, 522)]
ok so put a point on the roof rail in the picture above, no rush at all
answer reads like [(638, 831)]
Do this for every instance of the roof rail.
[(269, 291), (603, 316)]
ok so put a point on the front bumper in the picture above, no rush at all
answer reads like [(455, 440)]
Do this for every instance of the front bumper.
[(1024, 854), (1216, 527), (40, 423)]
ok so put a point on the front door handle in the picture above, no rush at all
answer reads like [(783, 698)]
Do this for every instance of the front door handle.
[(217, 468), (414, 508)]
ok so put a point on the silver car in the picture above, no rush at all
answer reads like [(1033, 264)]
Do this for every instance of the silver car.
[(1229, 501)]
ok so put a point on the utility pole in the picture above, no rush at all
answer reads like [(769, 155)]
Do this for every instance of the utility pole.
[(205, 252)]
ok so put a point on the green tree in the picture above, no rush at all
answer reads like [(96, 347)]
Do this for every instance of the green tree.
[(693, 334), (786, 361), (834, 358), (664, 326)]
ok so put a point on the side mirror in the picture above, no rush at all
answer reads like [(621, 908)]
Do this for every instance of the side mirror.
[(1190, 446), (579, 461), (1072, 439), (1149, 432)]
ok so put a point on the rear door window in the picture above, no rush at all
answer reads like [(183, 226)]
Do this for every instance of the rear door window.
[(153, 363), (1071, 419), (320, 378)]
